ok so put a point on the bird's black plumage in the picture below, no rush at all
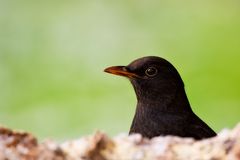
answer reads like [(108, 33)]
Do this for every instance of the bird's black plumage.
[(162, 105)]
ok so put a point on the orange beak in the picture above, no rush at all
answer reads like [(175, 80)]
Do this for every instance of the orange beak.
[(121, 71)]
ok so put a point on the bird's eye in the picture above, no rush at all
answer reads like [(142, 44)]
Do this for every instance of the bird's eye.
[(151, 71)]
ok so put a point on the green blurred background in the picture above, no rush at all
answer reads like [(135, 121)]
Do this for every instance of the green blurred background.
[(52, 56)]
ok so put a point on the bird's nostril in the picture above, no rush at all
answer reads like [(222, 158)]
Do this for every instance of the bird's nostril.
[(125, 69)]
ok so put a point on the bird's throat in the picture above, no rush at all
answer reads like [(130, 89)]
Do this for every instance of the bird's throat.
[(155, 114), (176, 101)]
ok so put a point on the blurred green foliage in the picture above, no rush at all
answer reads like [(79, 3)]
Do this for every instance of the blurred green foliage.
[(52, 54)]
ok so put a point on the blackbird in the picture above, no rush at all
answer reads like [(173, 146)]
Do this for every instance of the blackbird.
[(162, 104)]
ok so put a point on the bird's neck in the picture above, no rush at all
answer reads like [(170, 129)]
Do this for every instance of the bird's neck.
[(175, 102)]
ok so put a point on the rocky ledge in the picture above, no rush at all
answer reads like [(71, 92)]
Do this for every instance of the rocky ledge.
[(16, 145)]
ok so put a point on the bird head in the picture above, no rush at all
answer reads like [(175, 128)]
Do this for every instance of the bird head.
[(152, 77)]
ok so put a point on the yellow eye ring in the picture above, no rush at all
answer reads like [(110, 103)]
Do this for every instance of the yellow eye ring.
[(151, 71)]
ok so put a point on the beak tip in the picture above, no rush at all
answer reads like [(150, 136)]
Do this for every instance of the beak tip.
[(106, 70)]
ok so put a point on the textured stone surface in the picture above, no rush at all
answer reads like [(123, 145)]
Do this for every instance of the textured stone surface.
[(23, 146)]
